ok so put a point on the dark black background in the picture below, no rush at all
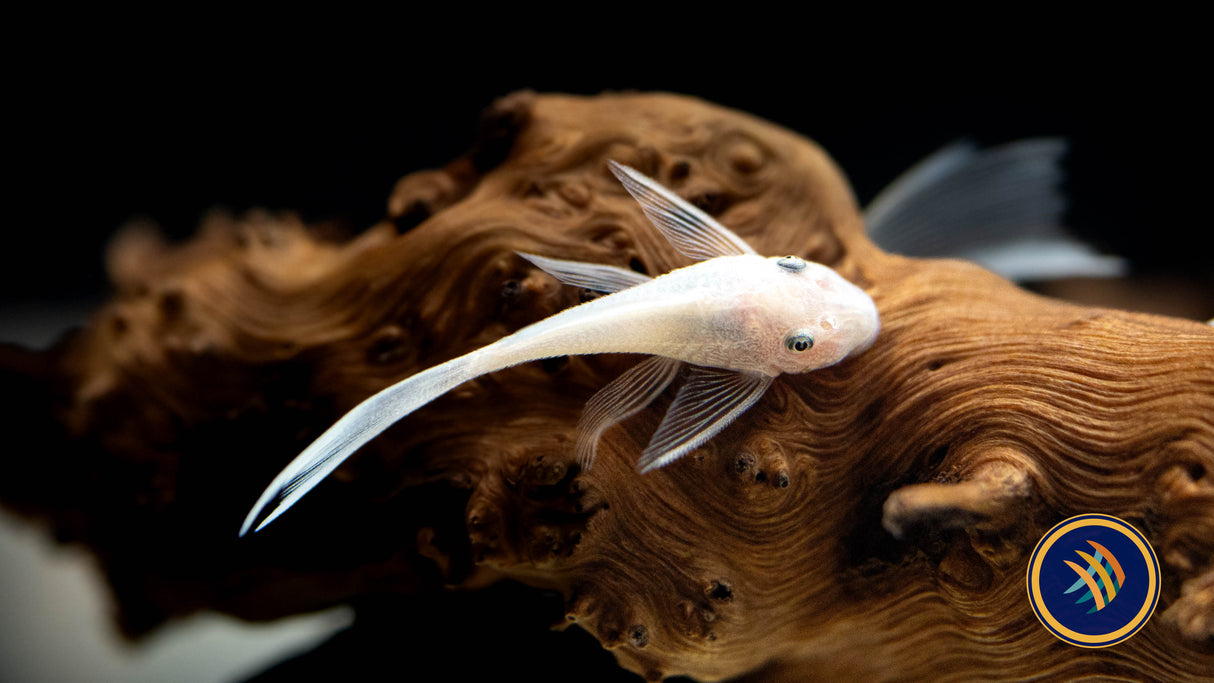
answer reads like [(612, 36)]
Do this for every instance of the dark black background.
[(164, 123)]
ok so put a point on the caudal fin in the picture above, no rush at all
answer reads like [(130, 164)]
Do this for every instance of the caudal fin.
[(1001, 207), (348, 434)]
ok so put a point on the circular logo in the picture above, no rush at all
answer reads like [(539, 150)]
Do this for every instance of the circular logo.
[(1093, 580)]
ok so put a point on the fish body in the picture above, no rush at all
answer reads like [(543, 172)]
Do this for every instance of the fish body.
[(736, 319), (730, 312)]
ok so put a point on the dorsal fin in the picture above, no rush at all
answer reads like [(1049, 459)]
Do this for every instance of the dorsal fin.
[(694, 233)]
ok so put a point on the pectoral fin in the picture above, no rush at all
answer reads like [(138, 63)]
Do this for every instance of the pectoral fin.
[(706, 404), (597, 276), (624, 397), (690, 230)]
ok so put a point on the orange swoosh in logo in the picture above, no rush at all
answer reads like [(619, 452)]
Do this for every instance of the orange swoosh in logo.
[(1103, 577)]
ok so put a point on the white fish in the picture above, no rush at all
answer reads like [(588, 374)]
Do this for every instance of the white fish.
[(737, 318)]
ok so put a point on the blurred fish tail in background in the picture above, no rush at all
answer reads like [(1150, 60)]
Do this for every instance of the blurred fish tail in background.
[(1002, 208)]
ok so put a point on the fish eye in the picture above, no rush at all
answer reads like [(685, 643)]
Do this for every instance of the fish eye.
[(799, 342), (791, 263)]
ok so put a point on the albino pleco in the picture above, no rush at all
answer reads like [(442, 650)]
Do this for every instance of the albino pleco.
[(736, 318)]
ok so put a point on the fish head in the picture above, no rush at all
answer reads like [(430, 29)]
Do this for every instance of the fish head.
[(812, 317)]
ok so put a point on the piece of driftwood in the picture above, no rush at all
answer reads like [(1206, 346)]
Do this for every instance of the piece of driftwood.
[(871, 520)]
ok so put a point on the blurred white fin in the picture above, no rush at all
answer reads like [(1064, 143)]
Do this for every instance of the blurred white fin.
[(1000, 207), (624, 397)]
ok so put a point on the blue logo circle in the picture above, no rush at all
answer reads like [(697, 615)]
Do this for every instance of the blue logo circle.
[(1093, 580)]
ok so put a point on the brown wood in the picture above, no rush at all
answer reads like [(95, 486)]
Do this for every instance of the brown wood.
[(872, 520)]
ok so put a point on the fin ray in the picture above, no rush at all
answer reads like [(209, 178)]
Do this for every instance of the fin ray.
[(597, 276), (694, 233), (1000, 207), (366, 421), (706, 404), (624, 397)]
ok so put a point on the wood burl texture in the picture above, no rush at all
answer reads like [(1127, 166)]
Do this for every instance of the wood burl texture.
[(871, 520)]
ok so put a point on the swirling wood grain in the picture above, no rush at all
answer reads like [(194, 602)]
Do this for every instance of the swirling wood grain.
[(871, 520)]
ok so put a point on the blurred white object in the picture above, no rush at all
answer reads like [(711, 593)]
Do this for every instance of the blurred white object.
[(55, 623), (1000, 207), (55, 626)]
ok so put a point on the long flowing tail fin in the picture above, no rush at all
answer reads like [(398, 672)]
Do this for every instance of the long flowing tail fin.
[(348, 434), (1001, 207)]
